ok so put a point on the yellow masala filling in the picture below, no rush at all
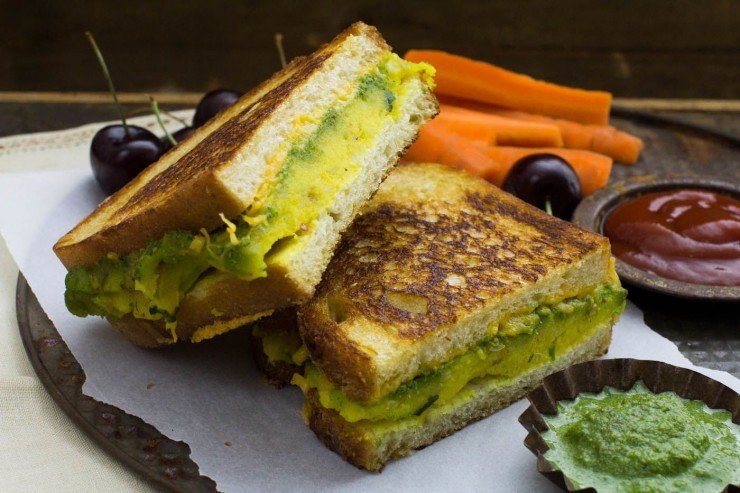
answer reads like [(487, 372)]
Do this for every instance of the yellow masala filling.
[(151, 282), (522, 344)]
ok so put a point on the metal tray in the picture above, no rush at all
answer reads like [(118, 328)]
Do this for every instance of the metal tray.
[(132, 441)]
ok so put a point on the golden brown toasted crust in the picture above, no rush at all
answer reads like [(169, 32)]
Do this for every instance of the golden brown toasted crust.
[(227, 297), (339, 435), (181, 190), (433, 246), (144, 333), (369, 447), (418, 254), (343, 363)]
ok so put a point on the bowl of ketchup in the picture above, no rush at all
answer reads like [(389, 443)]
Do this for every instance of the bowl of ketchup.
[(678, 235)]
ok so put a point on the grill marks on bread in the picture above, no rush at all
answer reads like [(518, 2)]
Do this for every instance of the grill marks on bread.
[(420, 266)]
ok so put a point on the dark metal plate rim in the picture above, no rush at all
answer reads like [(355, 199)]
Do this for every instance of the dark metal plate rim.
[(24, 300), (592, 212)]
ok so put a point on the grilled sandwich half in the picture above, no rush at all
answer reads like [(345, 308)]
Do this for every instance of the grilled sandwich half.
[(242, 218), (447, 300)]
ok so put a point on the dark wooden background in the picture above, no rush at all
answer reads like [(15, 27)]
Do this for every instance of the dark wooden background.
[(648, 48)]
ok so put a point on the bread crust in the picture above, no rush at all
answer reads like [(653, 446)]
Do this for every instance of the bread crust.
[(367, 448), (277, 373), (182, 191)]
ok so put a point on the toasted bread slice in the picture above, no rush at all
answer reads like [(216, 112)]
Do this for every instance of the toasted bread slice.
[(435, 262), (222, 170), (370, 446), (219, 169)]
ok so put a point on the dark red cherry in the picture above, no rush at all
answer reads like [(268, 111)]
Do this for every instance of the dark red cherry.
[(179, 136), (119, 152), (117, 156), (184, 133), (212, 103), (540, 179)]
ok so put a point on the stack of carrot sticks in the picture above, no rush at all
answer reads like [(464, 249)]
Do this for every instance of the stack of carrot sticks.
[(490, 118)]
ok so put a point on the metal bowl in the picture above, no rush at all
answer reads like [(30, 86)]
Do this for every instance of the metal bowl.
[(593, 376), (594, 209)]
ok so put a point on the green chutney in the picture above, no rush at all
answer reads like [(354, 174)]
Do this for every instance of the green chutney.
[(638, 441)]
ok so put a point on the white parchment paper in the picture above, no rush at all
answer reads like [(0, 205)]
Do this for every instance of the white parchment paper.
[(210, 393)]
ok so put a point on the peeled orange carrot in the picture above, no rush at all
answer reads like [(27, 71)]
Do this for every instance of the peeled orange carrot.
[(439, 144), (466, 78), (604, 139), (622, 146), (508, 131), (469, 128), (592, 169)]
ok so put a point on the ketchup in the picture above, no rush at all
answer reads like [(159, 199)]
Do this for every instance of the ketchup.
[(686, 235)]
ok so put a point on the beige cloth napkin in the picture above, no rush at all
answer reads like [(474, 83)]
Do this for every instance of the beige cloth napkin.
[(41, 449)]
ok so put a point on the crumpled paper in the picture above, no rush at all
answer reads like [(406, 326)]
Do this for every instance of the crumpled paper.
[(211, 393)]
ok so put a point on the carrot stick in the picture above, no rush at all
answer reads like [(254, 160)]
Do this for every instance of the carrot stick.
[(472, 129), (439, 144), (604, 139), (622, 146), (466, 78), (592, 169), (508, 131)]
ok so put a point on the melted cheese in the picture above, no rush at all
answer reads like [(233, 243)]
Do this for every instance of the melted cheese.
[(530, 341)]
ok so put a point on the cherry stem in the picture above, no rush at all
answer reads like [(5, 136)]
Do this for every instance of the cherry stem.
[(108, 78), (548, 206), (279, 46), (155, 110)]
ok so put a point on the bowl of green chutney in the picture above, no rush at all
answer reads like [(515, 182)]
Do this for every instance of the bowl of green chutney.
[(626, 425)]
